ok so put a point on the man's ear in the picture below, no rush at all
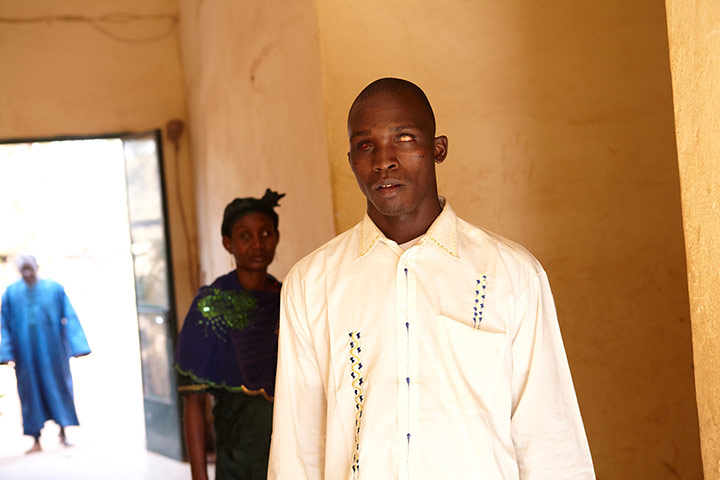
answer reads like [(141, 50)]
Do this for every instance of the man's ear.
[(441, 148), (226, 243)]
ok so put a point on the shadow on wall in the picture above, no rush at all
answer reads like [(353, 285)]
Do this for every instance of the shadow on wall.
[(604, 201)]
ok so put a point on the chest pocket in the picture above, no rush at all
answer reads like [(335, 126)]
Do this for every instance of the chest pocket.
[(470, 363)]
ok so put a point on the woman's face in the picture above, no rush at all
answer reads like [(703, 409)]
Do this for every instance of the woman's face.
[(252, 242)]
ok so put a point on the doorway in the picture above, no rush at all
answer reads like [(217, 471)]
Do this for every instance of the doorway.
[(66, 202)]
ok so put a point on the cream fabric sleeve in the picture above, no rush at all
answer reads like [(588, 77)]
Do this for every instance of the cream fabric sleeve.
[(297, 450), (547, 428)]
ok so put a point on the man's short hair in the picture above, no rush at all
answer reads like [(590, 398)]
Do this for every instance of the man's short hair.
[(393, 85)]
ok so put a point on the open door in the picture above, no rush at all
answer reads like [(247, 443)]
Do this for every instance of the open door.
[(157, 321)]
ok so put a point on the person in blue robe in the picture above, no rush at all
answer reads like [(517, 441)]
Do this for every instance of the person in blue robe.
[(39, 332), (227, 347)]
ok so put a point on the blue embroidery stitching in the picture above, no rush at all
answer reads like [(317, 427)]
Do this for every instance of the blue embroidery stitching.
[(357, 383), (480, 288)]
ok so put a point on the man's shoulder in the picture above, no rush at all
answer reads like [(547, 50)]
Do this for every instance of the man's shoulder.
[(318, 258), (50, 285), (14, 285), (472, 238), (11, 289)]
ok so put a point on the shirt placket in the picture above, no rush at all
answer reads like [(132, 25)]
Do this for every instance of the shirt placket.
[(407, 368)]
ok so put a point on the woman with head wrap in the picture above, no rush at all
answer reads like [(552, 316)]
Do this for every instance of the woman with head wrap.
[(228, 347)]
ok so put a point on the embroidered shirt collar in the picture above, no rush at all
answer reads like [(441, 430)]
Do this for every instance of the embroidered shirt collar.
[(442, 233)]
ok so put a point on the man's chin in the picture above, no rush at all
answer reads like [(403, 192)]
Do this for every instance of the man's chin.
[(390, 209)]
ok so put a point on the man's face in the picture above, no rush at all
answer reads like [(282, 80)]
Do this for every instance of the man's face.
[(393, 154), (28, 270)]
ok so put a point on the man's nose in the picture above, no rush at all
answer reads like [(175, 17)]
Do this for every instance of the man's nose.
[(384, 158)]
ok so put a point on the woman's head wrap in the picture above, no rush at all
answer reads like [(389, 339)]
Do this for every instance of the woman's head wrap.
[(242, 206)]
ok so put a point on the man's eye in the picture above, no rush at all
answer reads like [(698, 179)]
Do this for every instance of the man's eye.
[(363, 146), (405, 137)]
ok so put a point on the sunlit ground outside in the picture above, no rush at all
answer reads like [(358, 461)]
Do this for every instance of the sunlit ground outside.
[(65, 202)]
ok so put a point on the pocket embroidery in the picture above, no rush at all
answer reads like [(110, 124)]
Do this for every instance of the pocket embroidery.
[(480, 288)]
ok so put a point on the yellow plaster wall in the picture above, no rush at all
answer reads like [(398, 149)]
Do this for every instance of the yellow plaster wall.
[(84, 68), (256, 113), (560, 122), (694, 35), (561, 137)]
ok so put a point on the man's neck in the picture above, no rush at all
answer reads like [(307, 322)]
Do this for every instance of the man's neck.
[(403, 228)]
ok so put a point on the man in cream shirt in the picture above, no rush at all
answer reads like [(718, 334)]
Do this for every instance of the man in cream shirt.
[(415, 345)]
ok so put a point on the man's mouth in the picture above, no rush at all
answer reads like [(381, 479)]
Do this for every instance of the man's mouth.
[(387, 185)]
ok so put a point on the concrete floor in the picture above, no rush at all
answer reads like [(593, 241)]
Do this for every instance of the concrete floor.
[(91, 462), (90, 458)]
